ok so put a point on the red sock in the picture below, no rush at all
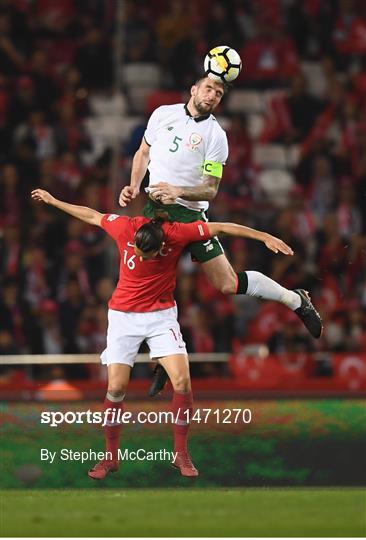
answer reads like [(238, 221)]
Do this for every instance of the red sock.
[(180, 405), (112, 430)]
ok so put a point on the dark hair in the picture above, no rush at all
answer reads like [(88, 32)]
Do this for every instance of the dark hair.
[(149, 236)]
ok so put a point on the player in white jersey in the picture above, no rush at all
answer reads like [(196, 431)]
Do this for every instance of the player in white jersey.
[(184, 148)]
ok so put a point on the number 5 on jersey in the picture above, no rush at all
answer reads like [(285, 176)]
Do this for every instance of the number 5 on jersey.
[(175, 144)]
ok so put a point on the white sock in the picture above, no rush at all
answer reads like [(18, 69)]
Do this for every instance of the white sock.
[(264, 287)]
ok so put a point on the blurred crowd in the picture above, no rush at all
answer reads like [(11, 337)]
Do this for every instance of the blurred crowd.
[(57, 58)]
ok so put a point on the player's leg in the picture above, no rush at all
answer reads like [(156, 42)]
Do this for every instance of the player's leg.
[(118, 378), (177, 368), (221, 274), (123, 341), (159, 380), (166, 344)]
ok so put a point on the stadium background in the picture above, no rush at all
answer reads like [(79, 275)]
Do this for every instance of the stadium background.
[(78, 80)]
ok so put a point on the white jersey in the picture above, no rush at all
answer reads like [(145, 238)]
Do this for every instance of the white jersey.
[(180, 144)]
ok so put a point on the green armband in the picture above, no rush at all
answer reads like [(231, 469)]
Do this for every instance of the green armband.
[(213, 168)]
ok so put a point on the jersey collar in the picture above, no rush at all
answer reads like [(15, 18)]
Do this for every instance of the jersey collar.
[(196, 118)]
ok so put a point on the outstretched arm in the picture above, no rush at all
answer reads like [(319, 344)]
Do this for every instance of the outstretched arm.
[(139, 167), (81, 212), (272, 243)]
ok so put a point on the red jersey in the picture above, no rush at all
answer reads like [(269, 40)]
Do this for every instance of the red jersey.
[(148, 285)]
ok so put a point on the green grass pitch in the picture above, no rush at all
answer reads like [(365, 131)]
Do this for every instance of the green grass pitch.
[(186, 512)]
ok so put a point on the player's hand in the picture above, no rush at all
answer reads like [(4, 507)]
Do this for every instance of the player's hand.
[(162, 199), (41, 195), (127, 194), (164, 192), (276, 245)]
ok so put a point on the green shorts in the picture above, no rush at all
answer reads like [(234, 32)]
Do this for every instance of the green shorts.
[(200, 251)]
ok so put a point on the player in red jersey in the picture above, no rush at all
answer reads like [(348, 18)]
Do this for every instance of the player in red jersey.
[(142, 307)]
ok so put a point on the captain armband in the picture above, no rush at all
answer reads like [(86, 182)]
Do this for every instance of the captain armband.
[(213, 168)]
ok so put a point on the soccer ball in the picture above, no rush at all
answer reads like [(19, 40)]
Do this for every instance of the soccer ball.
[(222, 64)]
